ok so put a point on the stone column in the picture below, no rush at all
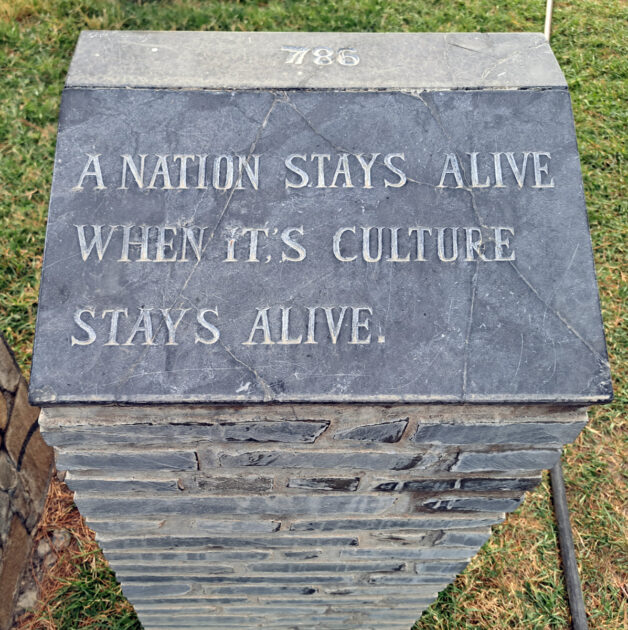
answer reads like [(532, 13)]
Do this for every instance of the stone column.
[(317, 309)]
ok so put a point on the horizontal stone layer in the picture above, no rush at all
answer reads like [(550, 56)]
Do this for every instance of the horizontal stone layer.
[(510, 433), (287, 431)]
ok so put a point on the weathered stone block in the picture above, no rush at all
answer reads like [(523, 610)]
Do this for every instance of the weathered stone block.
[(532, 460), (326, 483), (9, 371), (472, 504), (185, 601), (21, 422), (409, 523), (166, 460), (318, 567), (187, 557), (355, 460), (405, 580), (204, 506), (288, 431), (464, 538), (36, 468), (221, 542), (429, 568), (168, 572), (236, 483), (8, 473), (536, 433), (388, 432), (115, 486), (155, 590), (473, 484), (426, 553)]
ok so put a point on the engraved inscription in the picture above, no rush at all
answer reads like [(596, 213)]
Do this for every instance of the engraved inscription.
[(238, 245), (197, 170), (321, 55)]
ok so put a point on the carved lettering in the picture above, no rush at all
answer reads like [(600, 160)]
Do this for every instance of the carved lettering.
[(91, 169), (144, 326)]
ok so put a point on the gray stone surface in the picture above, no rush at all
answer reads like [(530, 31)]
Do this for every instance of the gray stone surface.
[(286, 431), (318, 567), (199, 506), (476, 484), (440, 567), (383, 432), (326, 483), (506, 461), (147, 460), (177, 526), (222, 542), (472, 504), (407, 580), (187, 557), (338, 460), (426, 553), (524, 433), (472, 539), (256, 60), (423, 522), (115, 486), (129, 576), (516, 322), (240, 483), (184, 601)]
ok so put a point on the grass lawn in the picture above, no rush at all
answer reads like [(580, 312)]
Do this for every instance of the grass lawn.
[(516, 581)]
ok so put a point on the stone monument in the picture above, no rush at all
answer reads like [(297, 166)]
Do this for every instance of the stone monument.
[(316, 310)]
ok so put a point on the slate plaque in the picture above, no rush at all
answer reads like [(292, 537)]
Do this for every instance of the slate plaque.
[(214, 242)]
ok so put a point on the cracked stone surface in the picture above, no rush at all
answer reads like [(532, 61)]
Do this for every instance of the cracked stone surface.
[(523, 330)]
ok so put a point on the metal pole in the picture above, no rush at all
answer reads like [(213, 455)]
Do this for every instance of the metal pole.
[(565, 537), (549, 8)]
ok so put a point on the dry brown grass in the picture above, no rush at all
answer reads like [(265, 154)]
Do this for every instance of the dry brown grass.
[(68, 565)]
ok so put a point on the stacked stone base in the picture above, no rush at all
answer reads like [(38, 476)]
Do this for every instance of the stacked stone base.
[(298, 516)]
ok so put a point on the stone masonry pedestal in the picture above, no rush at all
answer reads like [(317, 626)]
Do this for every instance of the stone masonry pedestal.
[(298, 516), (316, 311)]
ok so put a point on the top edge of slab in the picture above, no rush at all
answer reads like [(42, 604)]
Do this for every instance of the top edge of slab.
[(396, 61)]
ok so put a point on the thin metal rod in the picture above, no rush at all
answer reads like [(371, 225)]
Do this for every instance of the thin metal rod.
[(549, 9), (565, 537)]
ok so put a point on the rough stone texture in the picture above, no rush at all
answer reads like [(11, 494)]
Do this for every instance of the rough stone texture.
[(329, 483), (207, 545), (23, 417), (26, 464), (385, 432), (9, 371), (130, 461), (527, 460), (527, 433), (306, 431)]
